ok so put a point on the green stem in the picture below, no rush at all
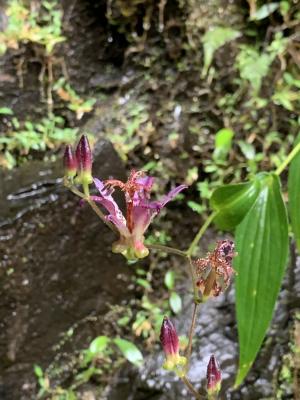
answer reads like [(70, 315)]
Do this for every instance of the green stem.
[(167, 249), (92, 204), (191, 249), (191, 334), (190, 386), (288, 159), (197, 299)]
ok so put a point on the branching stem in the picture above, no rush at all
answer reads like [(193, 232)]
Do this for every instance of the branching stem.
[(92, 204), (167, 249)]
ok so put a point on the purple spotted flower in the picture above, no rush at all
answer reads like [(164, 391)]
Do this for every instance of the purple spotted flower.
[(140, 210), (215, 270)]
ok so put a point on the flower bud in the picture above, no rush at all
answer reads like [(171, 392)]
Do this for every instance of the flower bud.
[(70, 163), (84, 161), (170, 343), (213, 377)]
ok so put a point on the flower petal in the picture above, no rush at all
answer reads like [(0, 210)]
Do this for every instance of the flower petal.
[(142, 217), (108, 202), (173, 193), (146, 182), (122, 228)]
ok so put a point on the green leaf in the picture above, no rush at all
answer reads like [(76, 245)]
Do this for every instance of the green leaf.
[(223, 143), (38, 371), (99, 344), (144, 283), (130, 351), (175, 302), (264, 11), (170, 280), (294, 195), (212, 40), (196, 207), (232, 202), (6, 111), (262, 246), (253, 66)]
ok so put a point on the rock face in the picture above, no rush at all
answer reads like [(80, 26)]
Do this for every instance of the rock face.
[(56, 268)]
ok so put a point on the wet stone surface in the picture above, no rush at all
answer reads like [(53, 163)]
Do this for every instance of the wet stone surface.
[(56, 270)]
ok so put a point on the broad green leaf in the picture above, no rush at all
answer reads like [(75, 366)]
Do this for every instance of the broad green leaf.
[(294, 195), (232, 202), (130, 351), (212, 40), (264, 11), (262, 246), (223, 143), (175, 302), (99, 344), (170, 280)]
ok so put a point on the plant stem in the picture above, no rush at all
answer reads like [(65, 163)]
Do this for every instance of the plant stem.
[(194, 282), (190, 386), (167, 249), (191, 249), (288, 159), (93, 206), (191, 334)]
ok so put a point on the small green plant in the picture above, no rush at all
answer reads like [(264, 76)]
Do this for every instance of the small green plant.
[(23, 138), (212, 40), (26, 25), (74, 102)]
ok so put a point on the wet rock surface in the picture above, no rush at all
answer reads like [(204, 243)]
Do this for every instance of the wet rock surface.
[(56, 269)]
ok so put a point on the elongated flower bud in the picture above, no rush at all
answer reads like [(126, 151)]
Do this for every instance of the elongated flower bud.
[(213, 377), (170, 343), (84, 161), (70, 162)]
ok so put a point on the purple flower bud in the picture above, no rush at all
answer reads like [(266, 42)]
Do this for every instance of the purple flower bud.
[(213, 376), (84, 162), (169, 338), (84, 155), (170, 343), (70, 163)]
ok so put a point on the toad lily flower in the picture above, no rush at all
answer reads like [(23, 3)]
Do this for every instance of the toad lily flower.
[(215, 270), (140, 211)]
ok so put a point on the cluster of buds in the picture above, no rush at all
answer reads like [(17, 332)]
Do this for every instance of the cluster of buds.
[(215, 270), (79, 165), (170, 344)]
